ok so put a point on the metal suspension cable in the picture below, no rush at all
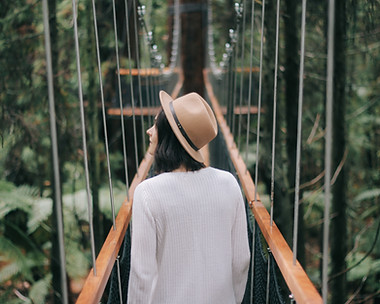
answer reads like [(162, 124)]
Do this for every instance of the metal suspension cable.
[(122, 133), (210, 39), (243, 7), (138, 73), (147, 40), (259, 97), (119, 279), (253, 261), (131, 80), (103, 114), (328, 146), (247, 140), (273, 138), (268, 277), (84, 141), (235, 40), (176, 33), (55, 157), (274, 113), (250, 81), (230, 76), (120, 99), (299, 133)]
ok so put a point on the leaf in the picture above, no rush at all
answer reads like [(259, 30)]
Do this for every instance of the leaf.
[(367, 195), (369, 265), (40, 290), (41, 210), (8, 271)]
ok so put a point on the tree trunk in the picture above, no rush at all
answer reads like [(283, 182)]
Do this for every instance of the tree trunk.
[(339, 201), (55, 251), (193, 30), (93, 123), (284, 212)]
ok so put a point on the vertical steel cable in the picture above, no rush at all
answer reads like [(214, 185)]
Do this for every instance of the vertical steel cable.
[(274, 113), (120, 99), (147, 91), (268, 278), (176, 33), (131, 81), (253, 258), (259, 98), (273, 139), (247, 142), (250, 81), (138, 76), (242, 72), (119, 279), (299, 133), (149, 79), (54, 144), (328, 144), (146, 51), (123, 132), (236, 51), (231, 90), (104, 114), (84, 141)]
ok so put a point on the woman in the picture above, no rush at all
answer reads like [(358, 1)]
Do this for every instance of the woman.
[(189, 231)]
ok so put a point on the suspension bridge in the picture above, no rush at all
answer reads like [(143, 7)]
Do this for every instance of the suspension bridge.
[(275, 275)]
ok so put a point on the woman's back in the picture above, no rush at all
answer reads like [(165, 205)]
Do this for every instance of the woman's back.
[(198, 231)]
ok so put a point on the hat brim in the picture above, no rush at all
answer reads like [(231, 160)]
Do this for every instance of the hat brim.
[(165, 99)]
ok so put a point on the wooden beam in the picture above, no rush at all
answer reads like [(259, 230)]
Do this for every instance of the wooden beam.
[(152, 111), (147, 71), (128, 111), (297, 280)]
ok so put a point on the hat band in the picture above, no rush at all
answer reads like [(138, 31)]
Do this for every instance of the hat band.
[(183, 132)]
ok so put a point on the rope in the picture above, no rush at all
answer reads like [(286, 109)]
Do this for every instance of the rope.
[(259, 98), (250, 81), (104, 115), (54, 140), (274, 114), (299, 132), (328, 147), (84, 142), (120, 99)]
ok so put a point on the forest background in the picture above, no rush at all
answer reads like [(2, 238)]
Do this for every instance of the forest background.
[(27, 222)]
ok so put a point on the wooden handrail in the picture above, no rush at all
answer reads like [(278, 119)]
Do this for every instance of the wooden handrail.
[(94, 286), (297, 280)]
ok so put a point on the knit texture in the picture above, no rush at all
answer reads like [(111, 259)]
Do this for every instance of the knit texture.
[(189, 239)]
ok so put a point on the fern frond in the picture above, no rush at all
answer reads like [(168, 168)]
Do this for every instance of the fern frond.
[(40, 290)]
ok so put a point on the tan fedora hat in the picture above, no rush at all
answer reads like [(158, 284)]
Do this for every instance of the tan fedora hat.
[(192, 121)]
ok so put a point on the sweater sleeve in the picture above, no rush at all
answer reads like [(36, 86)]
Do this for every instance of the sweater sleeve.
[(240, 251), (143, 251)]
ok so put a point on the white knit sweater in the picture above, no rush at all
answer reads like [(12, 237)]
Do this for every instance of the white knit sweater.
[(189, 239)]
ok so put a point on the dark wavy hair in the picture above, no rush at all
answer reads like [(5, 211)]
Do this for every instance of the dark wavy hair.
[(170, 154)]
